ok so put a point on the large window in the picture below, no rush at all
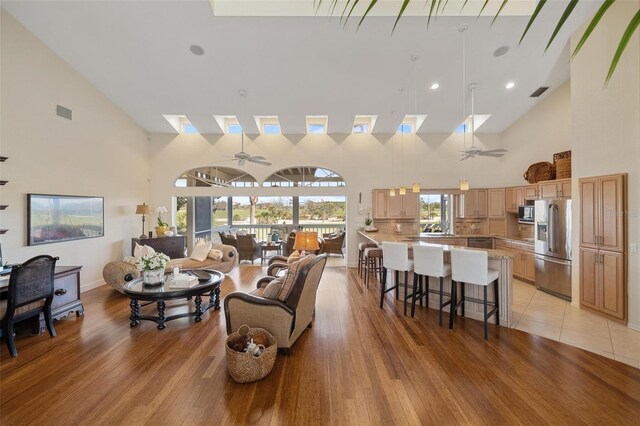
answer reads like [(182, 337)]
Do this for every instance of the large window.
[(262, 210), (304, 176), (436, 213)]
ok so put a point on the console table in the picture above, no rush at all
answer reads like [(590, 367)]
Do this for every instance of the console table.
[(174, 247)]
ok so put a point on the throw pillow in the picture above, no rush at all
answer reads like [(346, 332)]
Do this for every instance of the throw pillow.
[(294, 257), (215, 238), (131, 260), (200, 251), (273, 289), (292, 274), (215, 254), (140, 251), (233, 232)]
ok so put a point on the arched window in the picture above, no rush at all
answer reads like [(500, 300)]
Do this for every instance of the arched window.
[(223, 177), (304, 176)]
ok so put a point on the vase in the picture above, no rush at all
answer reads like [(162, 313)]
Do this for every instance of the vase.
[(153, 276), (160, 230)]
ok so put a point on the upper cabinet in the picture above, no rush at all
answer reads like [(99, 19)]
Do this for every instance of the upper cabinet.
[(560, 188), (472, 204), (531, 192), (399, 207), (514, 197), (602, 212), (496, 198)]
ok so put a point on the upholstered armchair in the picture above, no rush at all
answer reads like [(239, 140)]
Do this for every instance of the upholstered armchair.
[(228, 240), (285, 318), (333, 243), (249, 248)]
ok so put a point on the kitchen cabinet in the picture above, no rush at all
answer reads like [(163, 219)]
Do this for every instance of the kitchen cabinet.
[(399, 207), (603, 282), (497, 200), (524, 259), (530, 192), (514, 197), (472, 204), (555, 189), (451, 241)]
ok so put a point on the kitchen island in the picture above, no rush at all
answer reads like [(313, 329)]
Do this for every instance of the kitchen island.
[(500, 260)]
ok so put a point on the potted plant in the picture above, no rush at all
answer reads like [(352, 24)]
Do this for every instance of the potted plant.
[(152, 267), (368, 222), (162, 226)]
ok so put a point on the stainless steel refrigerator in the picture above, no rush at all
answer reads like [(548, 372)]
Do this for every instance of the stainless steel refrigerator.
[(553, 246)]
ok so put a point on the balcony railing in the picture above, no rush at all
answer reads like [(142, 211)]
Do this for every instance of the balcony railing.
[(262, 232)]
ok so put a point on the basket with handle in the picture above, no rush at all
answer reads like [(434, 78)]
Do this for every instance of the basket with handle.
[(537, 172), (562, 161), (245, 367)]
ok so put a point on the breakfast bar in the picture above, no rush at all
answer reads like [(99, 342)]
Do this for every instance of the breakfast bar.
[(498, 259)]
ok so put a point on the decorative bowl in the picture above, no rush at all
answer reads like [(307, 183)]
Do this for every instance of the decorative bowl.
[(168, 233)]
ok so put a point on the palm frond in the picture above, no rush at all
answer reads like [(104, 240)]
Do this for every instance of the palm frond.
[(431, 10), (594, 22), (504, 3), (628, 33), (373, 3), (463, 5), (405, 3), (572, 4), (483, 6), (346, 18), (539, 7)]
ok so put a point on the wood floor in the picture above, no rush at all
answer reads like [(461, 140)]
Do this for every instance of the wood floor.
[(357, 365)]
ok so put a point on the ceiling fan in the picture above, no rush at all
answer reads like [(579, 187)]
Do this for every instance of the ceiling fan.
[(474, 151), (242, 156)]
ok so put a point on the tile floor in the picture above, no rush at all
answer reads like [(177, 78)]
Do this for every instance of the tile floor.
[(539, 313)]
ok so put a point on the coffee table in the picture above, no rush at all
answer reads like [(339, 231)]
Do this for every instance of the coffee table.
[(138, 291)]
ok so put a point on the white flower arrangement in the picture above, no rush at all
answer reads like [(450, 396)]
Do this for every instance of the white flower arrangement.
[(161, 210), (153, 261)]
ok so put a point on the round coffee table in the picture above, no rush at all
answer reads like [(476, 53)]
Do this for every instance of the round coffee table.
[(138, 291)]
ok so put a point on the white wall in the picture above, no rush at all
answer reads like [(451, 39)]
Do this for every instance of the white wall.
[(101, 152), (605, 127), (364, 161), (543, 131)]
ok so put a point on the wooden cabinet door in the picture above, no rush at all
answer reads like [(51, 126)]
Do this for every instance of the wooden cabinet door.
[(510, 200), (518, 264), (467, 204), (589, 281), (411, 205), (379, 203), (531, 192), (588, 212), (548, 190), (482, 208), (502, 245), (565, 188), (519, 197), (394, 207), (529, 266), (612, 283), (611, 213), (496, 203)]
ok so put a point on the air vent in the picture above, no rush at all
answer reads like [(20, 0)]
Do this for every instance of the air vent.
[(538, 92), (63, 112)]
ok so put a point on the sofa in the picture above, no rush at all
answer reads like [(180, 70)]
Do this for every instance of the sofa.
[(118, 273)]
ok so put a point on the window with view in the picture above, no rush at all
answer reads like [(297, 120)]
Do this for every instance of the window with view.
[(436, 213)]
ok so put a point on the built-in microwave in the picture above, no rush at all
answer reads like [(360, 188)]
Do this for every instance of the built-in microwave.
[(526, 214)]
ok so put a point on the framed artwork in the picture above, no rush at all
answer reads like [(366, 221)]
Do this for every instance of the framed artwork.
[(56, 218)]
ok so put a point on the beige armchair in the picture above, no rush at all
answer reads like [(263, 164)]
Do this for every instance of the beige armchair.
[(285, 320)]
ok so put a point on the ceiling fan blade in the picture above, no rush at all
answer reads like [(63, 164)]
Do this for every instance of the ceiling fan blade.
[(258, 161), (491, 151), (223, 161), (490, 154), (258, 157), (464, 157)]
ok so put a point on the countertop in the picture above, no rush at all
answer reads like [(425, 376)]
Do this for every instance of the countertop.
[(439, 235), (411, 240)]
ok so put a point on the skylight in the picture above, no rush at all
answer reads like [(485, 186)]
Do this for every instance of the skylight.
[(317, 124), (234, 129), (268, 124), (364, 123), (229, 124), (479, 120), (181, 123)]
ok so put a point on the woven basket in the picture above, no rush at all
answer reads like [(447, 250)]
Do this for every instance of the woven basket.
[(537, 172), (563, 168), (244, 367)]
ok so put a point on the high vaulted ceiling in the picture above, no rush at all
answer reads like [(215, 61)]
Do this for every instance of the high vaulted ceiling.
[(138, 54)]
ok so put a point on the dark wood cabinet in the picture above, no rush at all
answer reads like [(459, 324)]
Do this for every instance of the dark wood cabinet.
[(174, 247), (66, 292)]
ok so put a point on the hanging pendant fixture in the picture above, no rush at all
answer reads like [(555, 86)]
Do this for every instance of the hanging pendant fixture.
[(464, 185)]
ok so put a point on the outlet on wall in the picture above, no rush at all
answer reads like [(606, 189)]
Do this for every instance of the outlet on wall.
[(633, 248)]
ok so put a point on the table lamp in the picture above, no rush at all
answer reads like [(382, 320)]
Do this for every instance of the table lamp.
[(306, 241), (143, 209)]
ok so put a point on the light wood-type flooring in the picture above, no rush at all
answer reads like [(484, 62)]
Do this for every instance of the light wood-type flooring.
[(357, 365)]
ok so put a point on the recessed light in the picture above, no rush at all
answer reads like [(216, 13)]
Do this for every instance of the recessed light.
[(510, 85), (501, 51), (196, 50), (434, 86)]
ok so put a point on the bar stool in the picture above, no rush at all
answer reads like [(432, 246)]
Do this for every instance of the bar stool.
[(372, 263), (395, 256), (472, 267), (429, 262), (361, 248)]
